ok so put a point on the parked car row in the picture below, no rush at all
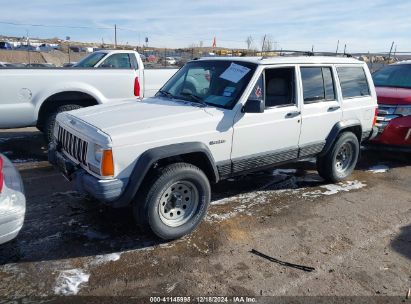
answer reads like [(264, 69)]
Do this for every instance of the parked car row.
[(44, 47)]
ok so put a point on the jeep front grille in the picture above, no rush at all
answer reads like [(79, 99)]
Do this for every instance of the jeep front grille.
[(73, 145)]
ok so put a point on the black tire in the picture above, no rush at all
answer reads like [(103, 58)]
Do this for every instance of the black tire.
[(50, 120), (333, 166), (150, 205)]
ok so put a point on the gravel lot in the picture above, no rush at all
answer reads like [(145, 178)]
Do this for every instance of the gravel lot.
[(356, 235)]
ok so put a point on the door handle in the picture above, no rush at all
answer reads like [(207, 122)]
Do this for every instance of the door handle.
[(292, 114), (333, 108)]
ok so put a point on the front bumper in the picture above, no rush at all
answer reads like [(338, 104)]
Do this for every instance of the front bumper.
[(105, 190), (12, 203), (396, 133)]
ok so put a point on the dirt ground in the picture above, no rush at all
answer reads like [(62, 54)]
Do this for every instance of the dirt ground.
[(356, 235), (58, 58)]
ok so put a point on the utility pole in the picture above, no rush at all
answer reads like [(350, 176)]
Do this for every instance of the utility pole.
[(345, 48), (68, 47), (28, 45), (115, 36), (338, 44)]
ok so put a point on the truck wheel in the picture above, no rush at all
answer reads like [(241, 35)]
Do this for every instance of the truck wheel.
[(51, 119), (340, 161), (175, 202)]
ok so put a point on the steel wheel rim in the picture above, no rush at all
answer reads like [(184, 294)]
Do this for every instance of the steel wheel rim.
[(344, 157), (178, 203)]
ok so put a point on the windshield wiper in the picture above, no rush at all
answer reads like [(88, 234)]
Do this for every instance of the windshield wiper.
[(166, 93), (195, 98)]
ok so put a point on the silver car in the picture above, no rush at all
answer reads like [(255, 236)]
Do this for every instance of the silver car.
[(12, 201)]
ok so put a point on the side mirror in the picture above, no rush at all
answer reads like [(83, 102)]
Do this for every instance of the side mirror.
[(253, 106)]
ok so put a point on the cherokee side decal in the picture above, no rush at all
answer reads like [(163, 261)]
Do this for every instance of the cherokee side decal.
[(217, 142)]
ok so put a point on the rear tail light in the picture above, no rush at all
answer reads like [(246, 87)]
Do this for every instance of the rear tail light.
[(1, 174), (375, 117), (136, 87)]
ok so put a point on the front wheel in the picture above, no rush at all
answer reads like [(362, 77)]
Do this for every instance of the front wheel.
[(176, 201), (341, 160)]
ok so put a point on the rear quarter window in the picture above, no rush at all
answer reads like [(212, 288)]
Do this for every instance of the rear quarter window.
[(353, 82)]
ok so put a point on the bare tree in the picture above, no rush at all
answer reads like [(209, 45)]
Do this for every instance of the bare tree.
[(267, 43), (249, 42)]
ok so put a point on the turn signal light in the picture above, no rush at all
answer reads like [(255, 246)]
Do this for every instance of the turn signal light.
[(107, 163), (375, 117)]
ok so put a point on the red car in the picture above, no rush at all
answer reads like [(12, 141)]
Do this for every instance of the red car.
[(393, 86)]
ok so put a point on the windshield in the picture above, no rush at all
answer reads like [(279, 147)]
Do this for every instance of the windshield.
[(398, 76), (90, 61), (212, 82)]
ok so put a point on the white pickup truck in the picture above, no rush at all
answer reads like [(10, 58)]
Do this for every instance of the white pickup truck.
[(33, 97)]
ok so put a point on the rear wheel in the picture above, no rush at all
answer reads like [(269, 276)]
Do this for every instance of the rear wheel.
[(341, 160), (175, 201), (50, 121)]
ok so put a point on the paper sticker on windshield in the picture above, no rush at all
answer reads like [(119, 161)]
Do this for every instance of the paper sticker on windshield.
[(235, 73), (228, 91)]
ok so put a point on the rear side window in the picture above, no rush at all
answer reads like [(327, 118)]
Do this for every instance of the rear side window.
[(353, 82), (117, 61), (318, 84)]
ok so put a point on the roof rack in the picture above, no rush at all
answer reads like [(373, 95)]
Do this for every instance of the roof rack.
[(305, 53)]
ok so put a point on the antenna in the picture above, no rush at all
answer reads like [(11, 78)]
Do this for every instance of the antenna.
[(115, 36), (389, 55)]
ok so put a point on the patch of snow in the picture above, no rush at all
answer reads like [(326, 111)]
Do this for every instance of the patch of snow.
[(71, 222), (170, 288), (335, 188), (105, 258), (68, 282), (348, 186), (378, 169), (244, 196), (245, 202)]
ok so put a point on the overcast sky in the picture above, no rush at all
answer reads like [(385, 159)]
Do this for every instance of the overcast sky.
[(295, 24)]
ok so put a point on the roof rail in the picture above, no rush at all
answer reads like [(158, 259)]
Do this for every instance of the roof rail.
[(305, 53)]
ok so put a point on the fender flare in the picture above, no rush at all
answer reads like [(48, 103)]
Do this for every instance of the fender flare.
[(336, 130), (151, 156), (42, 97)]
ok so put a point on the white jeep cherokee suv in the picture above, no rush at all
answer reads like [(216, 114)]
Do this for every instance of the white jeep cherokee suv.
[(216, 118)]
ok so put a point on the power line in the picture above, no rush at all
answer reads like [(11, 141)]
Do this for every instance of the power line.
[(55, 25)]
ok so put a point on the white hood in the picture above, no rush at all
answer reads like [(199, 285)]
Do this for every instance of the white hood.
[(154, 119)]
